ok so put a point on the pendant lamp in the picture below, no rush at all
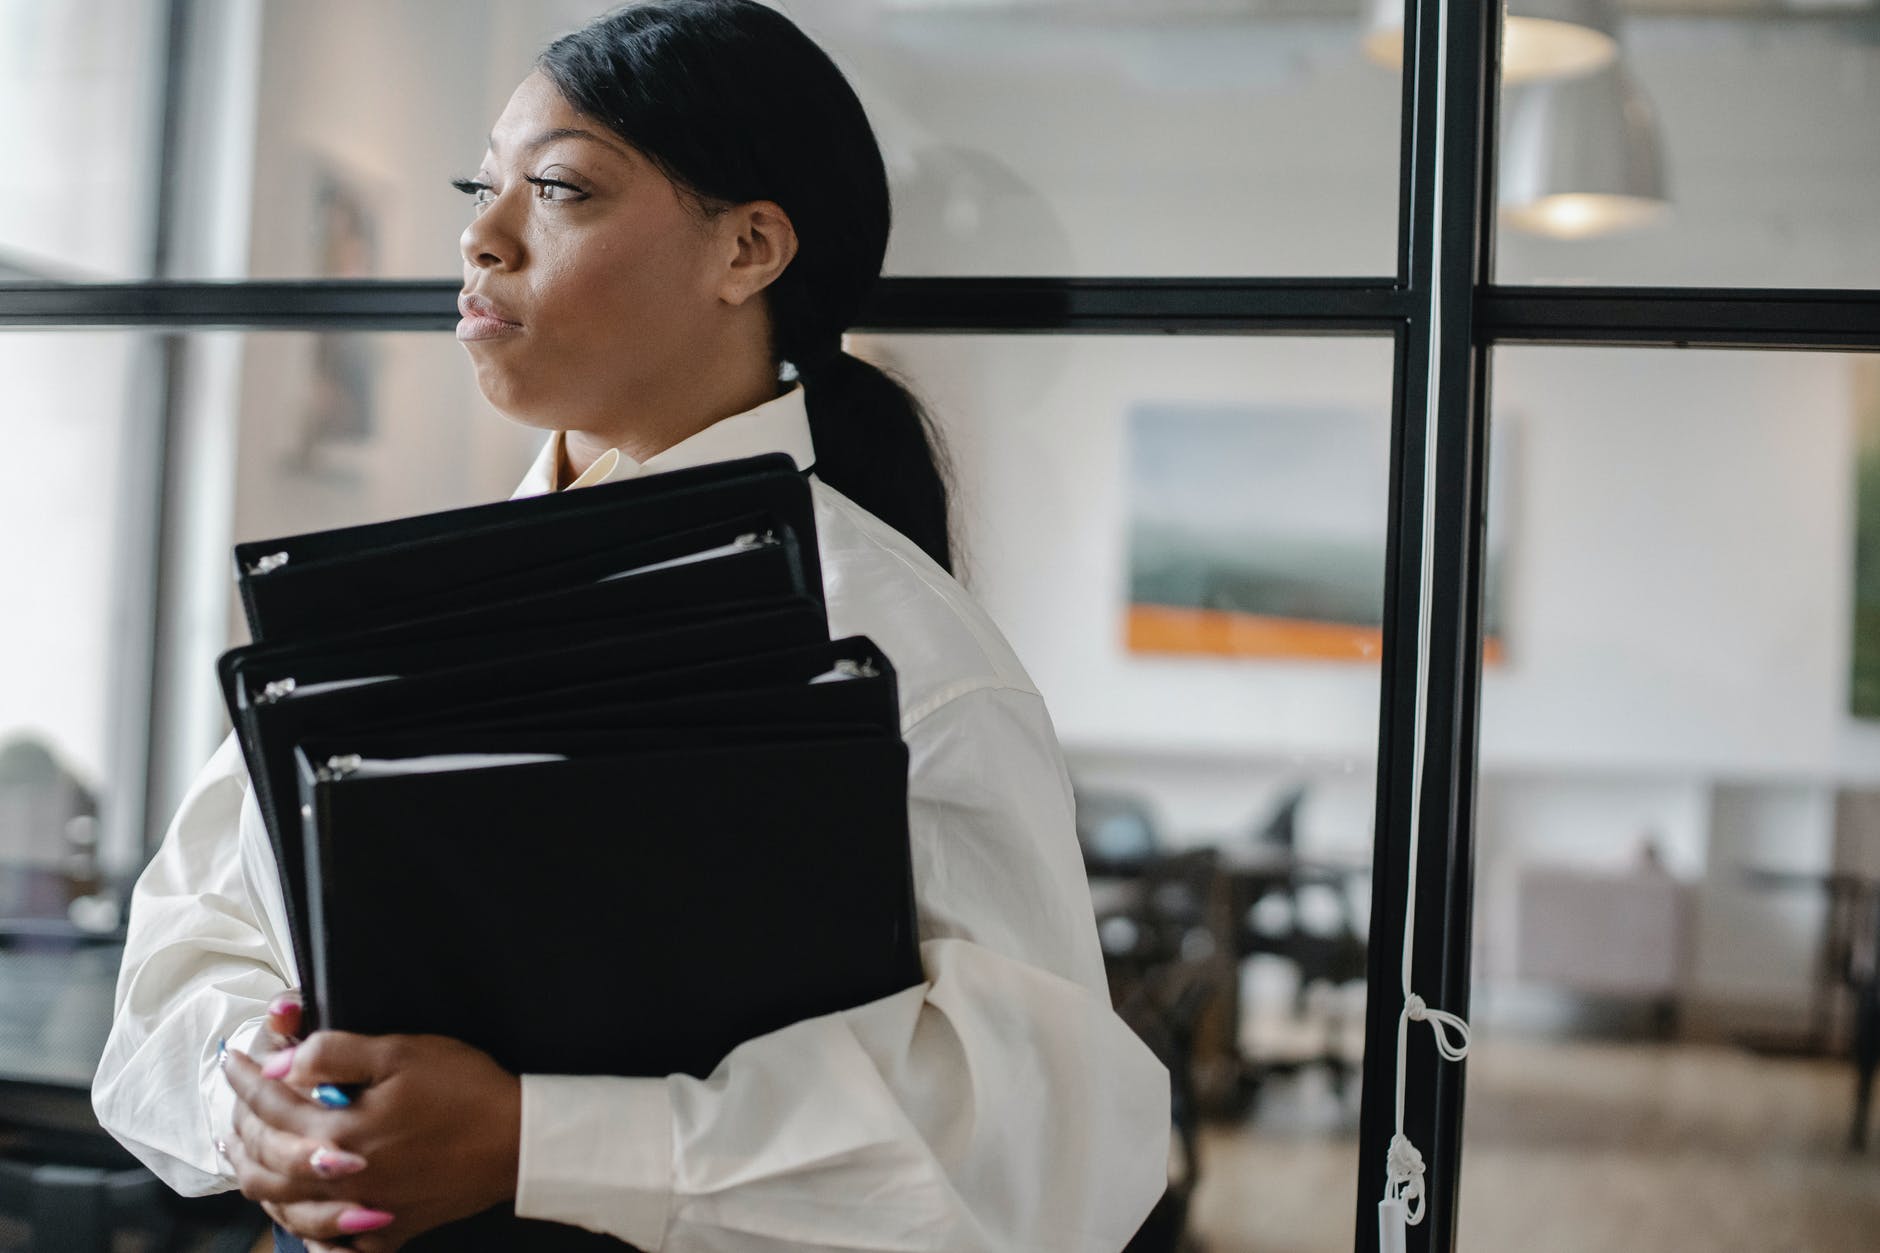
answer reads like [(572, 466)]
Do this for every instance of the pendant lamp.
[(1581, 157), (1541, 39)]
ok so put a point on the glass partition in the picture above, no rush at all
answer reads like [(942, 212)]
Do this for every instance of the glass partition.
[(1678, 875), (1184, 540)]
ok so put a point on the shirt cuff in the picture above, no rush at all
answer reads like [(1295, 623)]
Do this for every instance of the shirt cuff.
[(596, 1152), (219, 1097)]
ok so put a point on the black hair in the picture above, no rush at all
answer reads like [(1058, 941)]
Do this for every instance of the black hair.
[(733, 103)]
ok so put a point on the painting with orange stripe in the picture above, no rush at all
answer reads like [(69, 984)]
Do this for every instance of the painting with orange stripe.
[(1259, 531), (1864, 683)]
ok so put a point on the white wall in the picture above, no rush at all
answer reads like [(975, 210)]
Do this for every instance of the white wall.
[(1679, 598)]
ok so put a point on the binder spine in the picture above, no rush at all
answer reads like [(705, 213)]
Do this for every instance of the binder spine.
[(316, 822)]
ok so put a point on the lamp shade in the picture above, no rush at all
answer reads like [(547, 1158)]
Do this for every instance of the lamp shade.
[(1540, 39), (1581, 157)]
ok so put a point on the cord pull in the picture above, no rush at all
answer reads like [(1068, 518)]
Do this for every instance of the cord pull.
[(1392, 1231)]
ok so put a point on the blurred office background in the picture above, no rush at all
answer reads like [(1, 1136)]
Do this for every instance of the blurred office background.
[(1679, 795)]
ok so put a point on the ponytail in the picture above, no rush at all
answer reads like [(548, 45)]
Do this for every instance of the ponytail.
[(876, 444)]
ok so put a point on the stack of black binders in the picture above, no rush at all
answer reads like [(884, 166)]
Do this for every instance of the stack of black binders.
[(579, 779)]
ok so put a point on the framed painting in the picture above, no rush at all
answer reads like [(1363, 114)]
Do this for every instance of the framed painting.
[(1259, 531)]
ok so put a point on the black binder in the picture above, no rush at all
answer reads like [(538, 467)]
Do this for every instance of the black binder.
[(509, 754), (329, 580), (804, 927), (283, 695)]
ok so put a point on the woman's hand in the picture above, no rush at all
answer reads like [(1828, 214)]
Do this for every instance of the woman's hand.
[(435, 1127), (252, 1150)]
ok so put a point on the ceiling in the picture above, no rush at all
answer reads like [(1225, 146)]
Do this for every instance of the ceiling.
[(1785, 9)]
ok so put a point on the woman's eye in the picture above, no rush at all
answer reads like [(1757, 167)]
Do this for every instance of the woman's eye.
[(548, 184), (481, 193)]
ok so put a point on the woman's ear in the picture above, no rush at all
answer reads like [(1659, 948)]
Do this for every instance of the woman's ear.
[(759, 241)]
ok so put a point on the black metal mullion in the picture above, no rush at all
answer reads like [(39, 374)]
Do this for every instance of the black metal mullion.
[(992, 305), (1305, 306), (1399, 660), (1446, 250), (1696, 317), (1819, 319), (311, 304), (1395, 765), (1456, 614)]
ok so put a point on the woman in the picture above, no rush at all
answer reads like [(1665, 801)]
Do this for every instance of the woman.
[(680, 211)]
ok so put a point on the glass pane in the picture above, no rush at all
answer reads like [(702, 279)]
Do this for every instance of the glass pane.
[(70, 677), (70, 425), (306, 431), (1206, 139), (276, 433), (1716, 145), (1184, 540), (79, 88), (1678, 861)]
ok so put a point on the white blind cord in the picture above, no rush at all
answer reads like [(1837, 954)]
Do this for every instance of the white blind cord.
[(1402, 1206)]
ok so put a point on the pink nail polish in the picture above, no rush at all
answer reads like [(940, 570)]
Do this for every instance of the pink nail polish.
[(279, 1064), (354, 1221), (335, 1162)]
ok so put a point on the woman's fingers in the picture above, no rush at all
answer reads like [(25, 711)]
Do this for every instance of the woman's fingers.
[(326, 1223), (285, 1165), (284, 1016), (257, 1181), (280, 1029), (342, 1058), (274, 1102), (307, 1164), (323, 1222), (386, 1241)]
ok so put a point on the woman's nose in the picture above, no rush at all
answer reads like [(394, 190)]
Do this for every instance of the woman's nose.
[(488, 241)]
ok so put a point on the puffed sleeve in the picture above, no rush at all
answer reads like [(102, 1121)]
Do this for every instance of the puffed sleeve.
[(204, 953), (1000, 1105)]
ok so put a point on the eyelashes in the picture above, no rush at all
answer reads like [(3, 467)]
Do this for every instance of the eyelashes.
[(472, 187)]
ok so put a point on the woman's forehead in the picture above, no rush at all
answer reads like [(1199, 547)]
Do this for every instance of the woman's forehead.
[(537, 115)]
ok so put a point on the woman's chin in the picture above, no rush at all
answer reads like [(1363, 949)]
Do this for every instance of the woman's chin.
[(512, 402)]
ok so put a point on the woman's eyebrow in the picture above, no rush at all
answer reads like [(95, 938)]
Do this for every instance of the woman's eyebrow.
[(560, 132)]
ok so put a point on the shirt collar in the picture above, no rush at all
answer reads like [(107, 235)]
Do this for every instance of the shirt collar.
[(780, 424)]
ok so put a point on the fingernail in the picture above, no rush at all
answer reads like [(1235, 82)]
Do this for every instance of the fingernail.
[(354, 1221), (331, 1162), (285, 1003), (332, 1096), (279, 1064), (221, 1053)]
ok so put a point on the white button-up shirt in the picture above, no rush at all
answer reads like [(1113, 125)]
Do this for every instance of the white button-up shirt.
[(1000, 1105)]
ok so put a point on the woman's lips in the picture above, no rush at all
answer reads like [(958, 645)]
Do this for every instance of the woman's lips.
[(482, 319), (478, 326)]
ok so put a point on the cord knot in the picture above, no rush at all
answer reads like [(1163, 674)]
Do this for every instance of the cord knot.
[(1403, 1169), (1452, 1034)]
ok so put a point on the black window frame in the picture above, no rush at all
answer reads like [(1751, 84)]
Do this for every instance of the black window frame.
[(1444, 315)]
